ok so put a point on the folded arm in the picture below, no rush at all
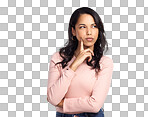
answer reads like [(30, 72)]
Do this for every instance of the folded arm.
[(58, 83), (94, 102)]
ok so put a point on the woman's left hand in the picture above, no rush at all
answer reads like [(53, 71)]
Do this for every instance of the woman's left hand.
[(61, 103)]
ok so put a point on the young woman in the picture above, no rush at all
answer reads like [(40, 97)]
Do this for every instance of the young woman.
[(80, 74)]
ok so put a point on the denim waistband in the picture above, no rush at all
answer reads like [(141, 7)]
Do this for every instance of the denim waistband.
[(81, 114)]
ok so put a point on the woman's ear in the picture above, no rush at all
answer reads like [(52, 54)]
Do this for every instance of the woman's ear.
[(73, 32)]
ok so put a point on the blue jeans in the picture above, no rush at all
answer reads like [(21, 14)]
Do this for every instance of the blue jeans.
[(85, 114)]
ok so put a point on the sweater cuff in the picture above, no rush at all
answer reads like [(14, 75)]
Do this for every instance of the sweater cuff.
[(69, 72), (66, 105)]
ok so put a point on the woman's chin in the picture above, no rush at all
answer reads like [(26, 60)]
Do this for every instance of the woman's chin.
[(88, 44)]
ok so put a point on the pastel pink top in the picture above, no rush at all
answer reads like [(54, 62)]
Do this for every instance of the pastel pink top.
[(81, 89)]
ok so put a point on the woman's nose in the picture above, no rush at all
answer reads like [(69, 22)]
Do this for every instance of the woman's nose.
[(88, 31)]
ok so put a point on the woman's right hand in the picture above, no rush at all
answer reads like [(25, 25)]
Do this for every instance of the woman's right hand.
[(83, 54)]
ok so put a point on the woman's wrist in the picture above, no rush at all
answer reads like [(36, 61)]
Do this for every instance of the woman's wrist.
[(61, 103), (73, 67)]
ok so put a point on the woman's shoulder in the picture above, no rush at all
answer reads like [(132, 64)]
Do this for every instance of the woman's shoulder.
[(56, 56), (106, 60)]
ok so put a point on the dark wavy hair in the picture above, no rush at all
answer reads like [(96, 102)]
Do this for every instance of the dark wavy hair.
[(67, 52)]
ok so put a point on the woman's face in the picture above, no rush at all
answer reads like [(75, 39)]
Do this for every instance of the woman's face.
[(86, 28)]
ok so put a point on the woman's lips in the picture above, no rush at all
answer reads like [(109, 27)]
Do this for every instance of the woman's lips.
[(89, 39)]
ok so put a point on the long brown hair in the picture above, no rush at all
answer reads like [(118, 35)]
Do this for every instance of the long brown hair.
[(67, 52)]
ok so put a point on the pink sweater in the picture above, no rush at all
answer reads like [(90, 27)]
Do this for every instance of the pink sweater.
[(83, 92)]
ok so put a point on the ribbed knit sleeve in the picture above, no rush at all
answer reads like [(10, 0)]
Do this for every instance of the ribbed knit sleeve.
[(58, 81), (101, 87)]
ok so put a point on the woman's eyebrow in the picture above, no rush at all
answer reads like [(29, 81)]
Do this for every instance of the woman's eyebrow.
[(84, 24)]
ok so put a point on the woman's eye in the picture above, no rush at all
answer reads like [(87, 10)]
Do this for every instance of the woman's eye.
[(94, 26), (81, 26), (84, 27)]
